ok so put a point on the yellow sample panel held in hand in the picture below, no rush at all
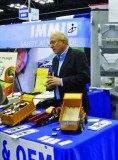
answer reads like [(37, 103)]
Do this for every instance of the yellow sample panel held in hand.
[(41, 78)]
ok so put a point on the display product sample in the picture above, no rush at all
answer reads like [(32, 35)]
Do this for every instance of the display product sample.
[(51, 114), (72, 116), (41, 78), (17, 112)]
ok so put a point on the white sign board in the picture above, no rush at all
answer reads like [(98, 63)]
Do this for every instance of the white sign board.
[(21, 149), (113, 11), (24, 13), (34, 14)]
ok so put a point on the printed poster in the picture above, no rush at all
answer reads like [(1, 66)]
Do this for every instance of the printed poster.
[(7, 74)]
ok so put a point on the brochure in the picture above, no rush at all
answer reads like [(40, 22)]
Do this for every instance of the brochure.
[(99, 125)]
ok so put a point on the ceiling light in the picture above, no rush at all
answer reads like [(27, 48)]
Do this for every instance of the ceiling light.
[(23, 6), (1, 10), (50, 1), (44, 1), (36, 0), (17, 6), (11, 5)]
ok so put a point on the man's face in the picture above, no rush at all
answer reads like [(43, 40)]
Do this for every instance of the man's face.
[(58, 46)]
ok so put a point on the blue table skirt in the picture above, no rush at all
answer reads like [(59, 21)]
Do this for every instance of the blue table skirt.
[(100, 104), (89, 145)]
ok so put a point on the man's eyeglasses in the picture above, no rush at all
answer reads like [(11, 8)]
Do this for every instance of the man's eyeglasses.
[(52, 43)]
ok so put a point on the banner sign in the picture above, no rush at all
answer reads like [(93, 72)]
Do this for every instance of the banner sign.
[(34, 14), (7, 73), (20, 149), (36, 34), (7, 64), (24, 13)]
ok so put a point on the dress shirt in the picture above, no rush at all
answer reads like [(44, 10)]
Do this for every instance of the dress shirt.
[(61, 59)]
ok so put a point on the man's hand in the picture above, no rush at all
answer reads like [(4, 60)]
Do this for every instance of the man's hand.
[(52, 82)]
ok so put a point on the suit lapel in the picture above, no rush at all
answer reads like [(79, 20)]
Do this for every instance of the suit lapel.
[(55, 65), (66, 61)]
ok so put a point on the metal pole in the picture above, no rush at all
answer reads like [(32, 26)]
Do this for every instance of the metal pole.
[(29, 7)]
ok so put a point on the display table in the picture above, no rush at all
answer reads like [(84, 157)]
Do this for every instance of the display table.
[(89, 145), (100, 104)]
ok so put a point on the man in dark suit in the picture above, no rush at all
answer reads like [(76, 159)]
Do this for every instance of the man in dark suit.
[(70, 70)]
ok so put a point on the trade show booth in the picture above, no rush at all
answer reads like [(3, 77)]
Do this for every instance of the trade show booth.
[(30, 43), (31, 40)]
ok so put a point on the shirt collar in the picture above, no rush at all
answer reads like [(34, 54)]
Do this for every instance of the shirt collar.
[(61, 57)]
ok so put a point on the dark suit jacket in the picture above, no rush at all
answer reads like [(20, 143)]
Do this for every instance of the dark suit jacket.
[(75, 74)]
